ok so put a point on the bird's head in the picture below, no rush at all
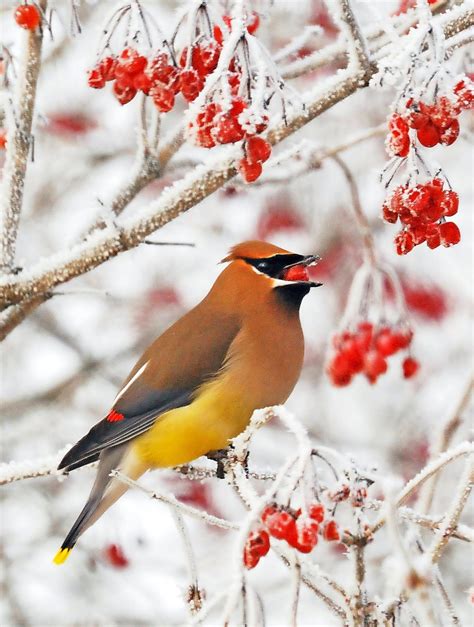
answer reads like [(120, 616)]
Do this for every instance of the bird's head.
[(264, 267)]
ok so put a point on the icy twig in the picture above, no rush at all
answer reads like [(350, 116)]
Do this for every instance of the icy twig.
[(361, 218), (462, 532), (298, 42), (295, 592), (194, 591), (442, 443), (452, 516), (465, 448), (357, 49), (178, 198), (19, 142), (171, 500)]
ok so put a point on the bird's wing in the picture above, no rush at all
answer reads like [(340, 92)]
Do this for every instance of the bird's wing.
[(168, 374)]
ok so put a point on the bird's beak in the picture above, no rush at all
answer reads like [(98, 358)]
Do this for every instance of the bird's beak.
[(298, 271)]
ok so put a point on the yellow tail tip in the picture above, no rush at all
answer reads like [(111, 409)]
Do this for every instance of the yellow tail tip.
[(61, 556)]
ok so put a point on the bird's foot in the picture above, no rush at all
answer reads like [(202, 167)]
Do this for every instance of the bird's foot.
[(220, 456)]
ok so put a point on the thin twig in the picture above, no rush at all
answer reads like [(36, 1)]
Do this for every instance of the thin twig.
[(171, 500), (454, 512)]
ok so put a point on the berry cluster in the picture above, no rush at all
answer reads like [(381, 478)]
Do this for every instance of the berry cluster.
[(434, 124), (132, 72), (423, 210), (27, 16), (365, 351), (284, 523)]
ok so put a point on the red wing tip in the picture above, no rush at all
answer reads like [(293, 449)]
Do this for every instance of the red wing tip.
[(114, 416)]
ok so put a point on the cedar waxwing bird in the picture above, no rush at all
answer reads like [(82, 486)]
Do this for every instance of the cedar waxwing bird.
[(197, 385)]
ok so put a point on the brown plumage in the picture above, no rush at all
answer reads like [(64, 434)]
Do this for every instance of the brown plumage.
[(198, 384)]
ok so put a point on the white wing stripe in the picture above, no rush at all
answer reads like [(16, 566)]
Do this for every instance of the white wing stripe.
[(134, 378)]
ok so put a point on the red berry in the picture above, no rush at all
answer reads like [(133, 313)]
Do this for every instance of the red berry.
[(142, 83), (433, 237), (449, 135), (364, 334), (190, 84), (428, 135), (249, 171), (123, 93), (404, 242), (386, 342), (374, 365), (306, 536), (417, 120), (331, 531), (389, 215), (258, 149), (351, 349), (316, 512), (410, 367), (282, 525), (268, 510), (450, 203), (95, 78), (403, 338), (107, 68), (3, 139), (253, 22), (115, 555), (163, 97), (339, 369), (27, 16), (132, 62), (449, 234)]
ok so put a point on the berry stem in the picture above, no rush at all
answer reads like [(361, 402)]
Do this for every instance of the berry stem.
[(361, 218)]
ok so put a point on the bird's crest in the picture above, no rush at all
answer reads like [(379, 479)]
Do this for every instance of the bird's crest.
[(254, 249)]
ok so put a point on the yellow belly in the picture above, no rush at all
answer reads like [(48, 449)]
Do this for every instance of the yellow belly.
[(208, 423)]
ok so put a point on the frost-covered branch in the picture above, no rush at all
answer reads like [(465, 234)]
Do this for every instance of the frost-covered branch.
[(20, 121), (177, 198), (357, 49), (452, 516), (171, 500)]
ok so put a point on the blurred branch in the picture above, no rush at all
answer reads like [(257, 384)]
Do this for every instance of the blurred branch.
[(361, 219), (442, 444), (174, 201), (19, 142)]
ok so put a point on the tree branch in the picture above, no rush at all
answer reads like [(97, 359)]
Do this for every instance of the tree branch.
[(19, 143)]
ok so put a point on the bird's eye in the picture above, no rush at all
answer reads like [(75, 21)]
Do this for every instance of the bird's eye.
[(263, 266)]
